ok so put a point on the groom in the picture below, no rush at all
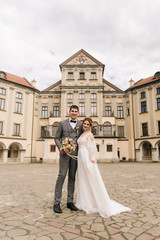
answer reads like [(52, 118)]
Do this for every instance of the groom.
[(71, 128)]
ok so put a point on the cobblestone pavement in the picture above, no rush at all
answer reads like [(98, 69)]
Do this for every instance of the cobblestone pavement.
[(26, 198)]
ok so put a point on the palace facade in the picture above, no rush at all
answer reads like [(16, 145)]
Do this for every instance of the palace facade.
[(126, 124)]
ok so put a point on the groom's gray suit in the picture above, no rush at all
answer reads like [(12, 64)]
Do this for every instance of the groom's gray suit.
[(65, 162)]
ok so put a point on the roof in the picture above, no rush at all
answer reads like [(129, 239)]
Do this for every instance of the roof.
[(112, 85), (15, 79), (145, 81), (52, 86)]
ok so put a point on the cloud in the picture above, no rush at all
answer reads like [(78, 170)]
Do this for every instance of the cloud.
[(36, 36)]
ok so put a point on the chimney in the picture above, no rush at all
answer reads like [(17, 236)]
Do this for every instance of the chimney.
[(33, 83), (131, 82)]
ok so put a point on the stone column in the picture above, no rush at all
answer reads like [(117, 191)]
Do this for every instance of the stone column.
[(45, 150), (63, 105), (22, 155), (87, 104), (102, 153), (5, 155), (115, 151), (155, 155), (139, 155)]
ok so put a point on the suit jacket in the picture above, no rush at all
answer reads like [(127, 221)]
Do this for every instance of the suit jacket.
[(65, 130)]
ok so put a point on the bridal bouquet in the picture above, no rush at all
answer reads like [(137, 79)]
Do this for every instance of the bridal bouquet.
[(68, 145)]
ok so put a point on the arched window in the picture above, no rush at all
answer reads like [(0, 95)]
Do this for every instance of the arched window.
[(55, 128), (107, 129), (95, 128)]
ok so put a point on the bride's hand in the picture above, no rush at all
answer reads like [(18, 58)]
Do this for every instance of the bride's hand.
[(93, 161)]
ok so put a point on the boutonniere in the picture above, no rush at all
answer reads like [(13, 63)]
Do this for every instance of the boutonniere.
[(77, 128)]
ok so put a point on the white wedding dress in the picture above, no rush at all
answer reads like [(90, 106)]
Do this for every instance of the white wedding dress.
[(92, 196)]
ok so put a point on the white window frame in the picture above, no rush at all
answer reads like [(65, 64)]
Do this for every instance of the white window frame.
[(18, 107), (16, 131), (2, 103)]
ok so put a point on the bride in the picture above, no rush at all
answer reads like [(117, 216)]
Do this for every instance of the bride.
[(92, 196)]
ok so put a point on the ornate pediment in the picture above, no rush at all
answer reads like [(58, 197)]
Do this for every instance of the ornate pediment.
[(81, 59)]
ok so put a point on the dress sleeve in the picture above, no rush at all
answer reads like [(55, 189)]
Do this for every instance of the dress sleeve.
[(91, 144)]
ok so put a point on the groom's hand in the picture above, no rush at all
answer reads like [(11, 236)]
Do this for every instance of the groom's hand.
[(62, 152)]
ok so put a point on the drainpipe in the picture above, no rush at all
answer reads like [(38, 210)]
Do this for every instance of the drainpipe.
[(133, 128), (32, 126)]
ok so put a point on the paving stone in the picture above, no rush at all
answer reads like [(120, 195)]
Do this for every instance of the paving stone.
[(44, 238), (16, 232), (69, 235), (97, 227), (145, 236), (155, 231)]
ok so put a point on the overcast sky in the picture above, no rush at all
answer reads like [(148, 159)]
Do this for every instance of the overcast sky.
[(36, 36)]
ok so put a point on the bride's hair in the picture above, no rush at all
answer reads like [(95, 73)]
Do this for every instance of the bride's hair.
[(89, 120)]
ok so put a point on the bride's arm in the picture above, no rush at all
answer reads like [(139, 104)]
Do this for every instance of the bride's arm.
[(90, 148)]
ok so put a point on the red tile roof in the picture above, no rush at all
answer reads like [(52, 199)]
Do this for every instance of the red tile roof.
[(146, 80), (15, 79)]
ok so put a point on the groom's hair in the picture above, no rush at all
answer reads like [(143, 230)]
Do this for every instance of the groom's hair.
[(75, 107)]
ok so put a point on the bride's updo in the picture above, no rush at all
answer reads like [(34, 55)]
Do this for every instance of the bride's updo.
[(89, 120)]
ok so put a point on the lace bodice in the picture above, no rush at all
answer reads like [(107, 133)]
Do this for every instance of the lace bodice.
[(85, 141)]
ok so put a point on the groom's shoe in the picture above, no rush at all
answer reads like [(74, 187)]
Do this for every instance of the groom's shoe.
[(72, 206), (57, 208)]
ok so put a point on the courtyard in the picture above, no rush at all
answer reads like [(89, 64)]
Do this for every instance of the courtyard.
[(26, 201)]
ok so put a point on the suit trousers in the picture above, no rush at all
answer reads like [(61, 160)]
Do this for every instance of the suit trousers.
[(66, 164)]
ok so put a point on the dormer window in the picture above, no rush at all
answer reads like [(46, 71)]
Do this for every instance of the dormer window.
[(2, 74), (157, 75), (82, 75)]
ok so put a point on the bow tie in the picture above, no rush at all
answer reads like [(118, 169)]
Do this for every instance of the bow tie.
[(73, 121)]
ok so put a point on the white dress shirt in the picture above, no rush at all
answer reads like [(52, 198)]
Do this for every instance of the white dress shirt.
[(72, 123)]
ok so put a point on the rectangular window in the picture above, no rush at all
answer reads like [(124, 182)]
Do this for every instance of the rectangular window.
[(144, 129), (43, 131), (70, 95), (158, 103), (56, 111), (158, 127), (81, 75), (16, 130), (158, 90), (119, 112), (93, 75), (3, 91), (44, 112), (18, 107), (19, 95), (68, 107), (1, 127), (143, 107), (93, 95), (81, 96), (70, 75), (81, 109), (120, 131), (108, 111), (143, 95), (2, 103), (128, 111), (109, 148), (93, 109), (52, 148)]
